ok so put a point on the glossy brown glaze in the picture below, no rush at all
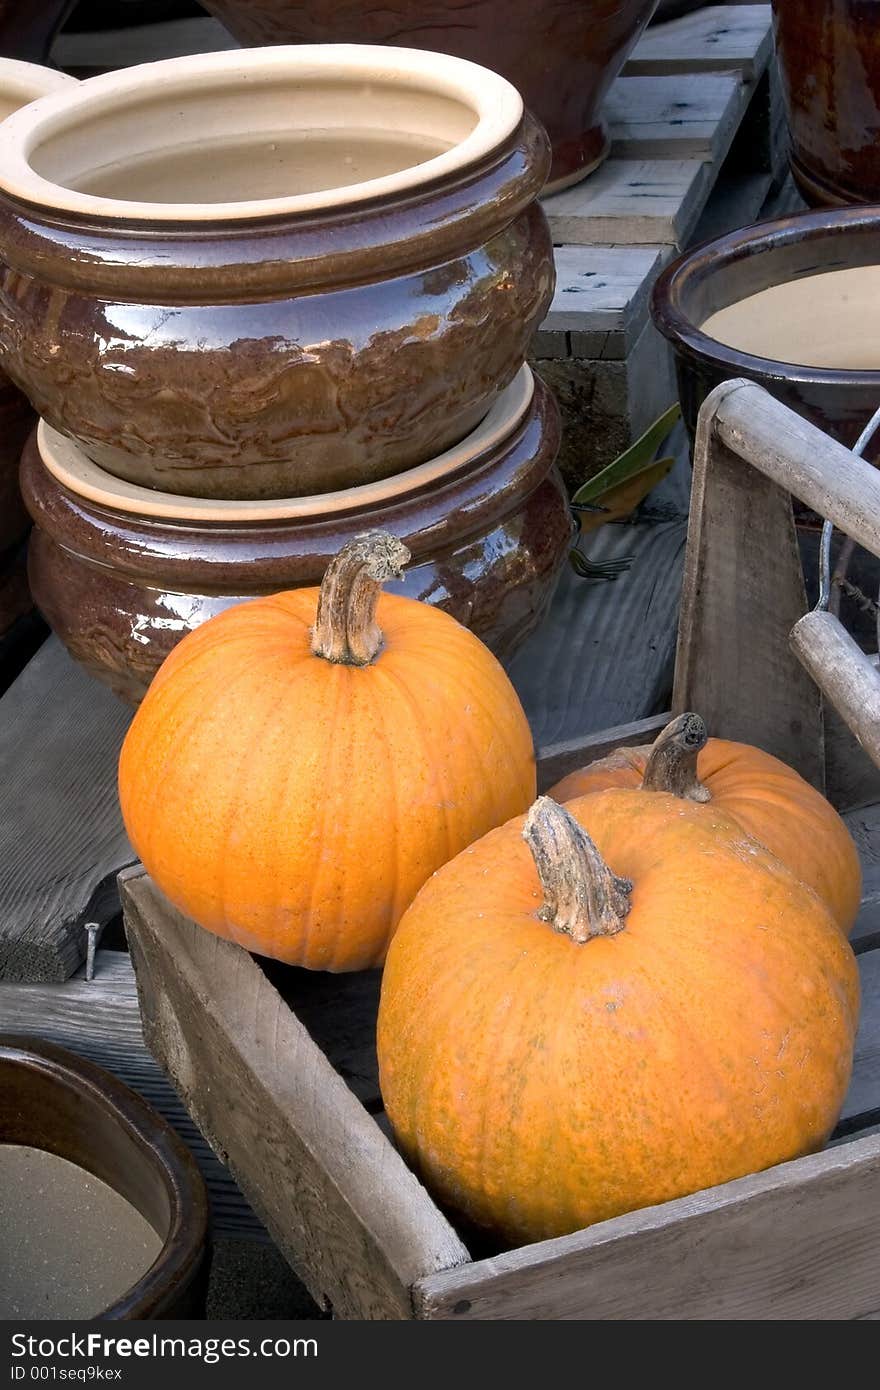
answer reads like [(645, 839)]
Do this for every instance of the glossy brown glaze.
[(562, 55), (280, 357), (487, 546), (829, 61), (746, 262), (27, 27), (53, 1100)]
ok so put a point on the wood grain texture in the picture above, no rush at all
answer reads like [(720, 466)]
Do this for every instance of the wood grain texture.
[(604, 290), (61, 832), (632, 202), (604, 655), (685, 116), (100, 1020), (743, 592), (800, 1241), (719, 37), (795, 454), (335, 1196), (557, 760), (844, 674)]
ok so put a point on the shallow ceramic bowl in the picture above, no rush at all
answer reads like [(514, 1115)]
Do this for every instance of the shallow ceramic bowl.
[(122, 574), (272, 272), (562, 57), (793, 304), (53, 1100), (20, 83)]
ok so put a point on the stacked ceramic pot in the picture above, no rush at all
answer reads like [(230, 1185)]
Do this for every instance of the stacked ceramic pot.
[(20, 83), (562, 55), (264, 301)]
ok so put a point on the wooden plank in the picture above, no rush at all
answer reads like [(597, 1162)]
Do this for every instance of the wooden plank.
[(557, 760), (862, 1104), (810, 465), (335, 1196), (743, 592), (61, 832), (686, 116), (800, 1241), (631, 202), (604, 654), (864, 826), (604, 290), (719, 37), (99, 1020), (845, 675)]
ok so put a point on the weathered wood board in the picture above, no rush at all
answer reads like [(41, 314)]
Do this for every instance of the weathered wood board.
[(61, 833)]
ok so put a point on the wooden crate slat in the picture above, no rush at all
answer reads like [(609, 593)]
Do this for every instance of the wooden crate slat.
[(684, 116), (631, 202), (603, 290), (61, 831), (719, 37), (862, 1104), (800, 1241), (335, 1196)]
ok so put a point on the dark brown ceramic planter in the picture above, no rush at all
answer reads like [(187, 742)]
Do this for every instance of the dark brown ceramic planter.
[(488, 538), (55, 1101), (829, 60), (825, 321), (562, 55), (271, 346)]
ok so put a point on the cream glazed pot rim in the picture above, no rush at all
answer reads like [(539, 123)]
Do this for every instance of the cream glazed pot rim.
[(496, 103), (25, 83), (67, 463)]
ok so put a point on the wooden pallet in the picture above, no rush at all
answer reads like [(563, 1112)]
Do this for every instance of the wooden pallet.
[(799, 1241), (698, 148)]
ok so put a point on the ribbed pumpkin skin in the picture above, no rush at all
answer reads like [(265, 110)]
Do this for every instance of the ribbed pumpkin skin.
[(296, 806), (769, 800), (539, 1084)]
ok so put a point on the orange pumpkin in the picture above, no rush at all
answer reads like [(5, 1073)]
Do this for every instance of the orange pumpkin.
[(301, 764), (594, 1022), (763, 795)]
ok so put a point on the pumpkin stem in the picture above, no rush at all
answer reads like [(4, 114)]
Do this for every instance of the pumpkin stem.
[(582, 897), (345, 628), (672, 763)]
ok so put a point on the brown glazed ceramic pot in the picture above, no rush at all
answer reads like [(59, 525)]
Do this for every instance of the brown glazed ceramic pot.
[(27, 27), (60, 1103), (257, 342), (562, 55), (487, 524), (829, 61), (793, 304), (20, 83)]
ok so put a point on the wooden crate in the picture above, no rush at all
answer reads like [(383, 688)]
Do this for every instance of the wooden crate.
[(278, 1066)]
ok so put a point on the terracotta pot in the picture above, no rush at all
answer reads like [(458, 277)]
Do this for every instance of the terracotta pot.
[(20, 83), (792, 304), (256, 342), (54, 1101), (122, 574), (562, 55), (27, 27), (829, 61)]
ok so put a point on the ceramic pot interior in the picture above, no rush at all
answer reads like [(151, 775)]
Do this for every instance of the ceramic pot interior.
[(828, 320), (55, 1102), (270, 126), (793, 299)]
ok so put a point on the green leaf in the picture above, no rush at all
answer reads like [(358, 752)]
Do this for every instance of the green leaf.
[(632, 461)]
